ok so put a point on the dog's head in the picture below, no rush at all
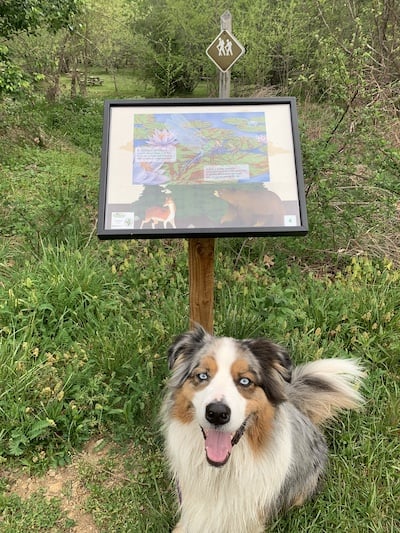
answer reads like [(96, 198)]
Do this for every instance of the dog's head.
[(228, 386)]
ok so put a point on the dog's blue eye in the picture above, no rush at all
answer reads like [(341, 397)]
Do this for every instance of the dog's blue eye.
[(244, 382), (202, 376)]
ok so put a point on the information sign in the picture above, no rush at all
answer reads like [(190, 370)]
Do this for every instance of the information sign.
[(201, 168)]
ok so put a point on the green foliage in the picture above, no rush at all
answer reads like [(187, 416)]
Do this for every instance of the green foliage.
[(79, 120), (55, 14), (53, 305), (340, 48), (171, 47), (34, 514), (121, 507), (16, 18), (57, 192), (12, 78), (85, 325)]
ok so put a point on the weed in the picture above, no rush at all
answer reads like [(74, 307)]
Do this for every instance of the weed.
[(31, 515)]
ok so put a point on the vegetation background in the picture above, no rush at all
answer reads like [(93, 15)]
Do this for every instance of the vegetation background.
[(84, 325)]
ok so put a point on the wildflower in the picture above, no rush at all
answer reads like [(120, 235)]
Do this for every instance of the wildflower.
[(389, 265), (319, 353), (60, 396), (20, 366), (50, 358), (46, 391), (388, 316)]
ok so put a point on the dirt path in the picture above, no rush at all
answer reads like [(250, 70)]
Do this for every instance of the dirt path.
[(65, 484)]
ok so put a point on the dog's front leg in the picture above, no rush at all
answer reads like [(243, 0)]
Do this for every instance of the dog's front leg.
[(178, 528)]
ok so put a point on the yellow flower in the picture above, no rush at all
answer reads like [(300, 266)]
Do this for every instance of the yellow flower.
[(20, 366), (60, 396), (319, 353), (46, 391), (388, 317)]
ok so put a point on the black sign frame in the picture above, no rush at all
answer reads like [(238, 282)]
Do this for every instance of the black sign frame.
[(201, 168)]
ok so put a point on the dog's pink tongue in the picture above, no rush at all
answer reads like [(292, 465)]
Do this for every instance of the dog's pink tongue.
[(218, 445)]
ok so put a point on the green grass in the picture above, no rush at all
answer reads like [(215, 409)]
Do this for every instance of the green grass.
[(124, 84), (85, 325), (32, 515), (144, 486)]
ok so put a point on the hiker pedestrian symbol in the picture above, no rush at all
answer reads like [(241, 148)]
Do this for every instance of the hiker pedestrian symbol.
[(224, 47), (225, 50)]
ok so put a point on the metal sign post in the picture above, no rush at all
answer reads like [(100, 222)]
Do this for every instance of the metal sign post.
[(224, 51)]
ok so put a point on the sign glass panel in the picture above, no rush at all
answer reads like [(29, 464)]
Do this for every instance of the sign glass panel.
[(207, 167)]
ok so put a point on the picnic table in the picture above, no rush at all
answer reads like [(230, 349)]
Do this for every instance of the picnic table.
[(94, 80)]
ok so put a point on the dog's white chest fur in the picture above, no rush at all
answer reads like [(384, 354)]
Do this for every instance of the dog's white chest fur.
[(234, 498)]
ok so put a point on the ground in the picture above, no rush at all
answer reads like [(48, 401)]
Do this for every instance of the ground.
[(67, 485)]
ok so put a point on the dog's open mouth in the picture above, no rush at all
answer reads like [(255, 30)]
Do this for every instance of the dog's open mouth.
[(218, 444)]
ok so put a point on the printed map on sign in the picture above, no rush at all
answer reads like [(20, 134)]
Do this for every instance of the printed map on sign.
[(190, 148)]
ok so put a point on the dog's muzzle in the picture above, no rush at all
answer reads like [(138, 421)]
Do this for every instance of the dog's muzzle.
[(219, 443)]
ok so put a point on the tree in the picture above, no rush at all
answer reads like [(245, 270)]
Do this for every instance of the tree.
[(28, 17), (172, 39)]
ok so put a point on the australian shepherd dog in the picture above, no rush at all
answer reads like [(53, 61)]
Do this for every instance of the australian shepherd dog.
[(241, 427)]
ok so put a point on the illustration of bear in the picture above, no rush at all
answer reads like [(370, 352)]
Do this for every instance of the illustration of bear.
[(259, 207)]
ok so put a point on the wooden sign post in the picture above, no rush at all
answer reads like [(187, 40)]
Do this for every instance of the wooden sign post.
[(201, 250), (201, 282)]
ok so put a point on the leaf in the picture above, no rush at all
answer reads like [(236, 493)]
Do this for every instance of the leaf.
[(17, 440), (39, 428)]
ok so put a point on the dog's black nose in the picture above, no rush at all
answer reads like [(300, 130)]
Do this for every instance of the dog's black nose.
[(218, 413)]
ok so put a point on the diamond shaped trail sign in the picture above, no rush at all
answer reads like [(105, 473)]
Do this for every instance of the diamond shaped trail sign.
[(225, 50)]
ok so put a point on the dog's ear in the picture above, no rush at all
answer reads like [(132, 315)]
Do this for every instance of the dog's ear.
[(186, 345), (275, 368)]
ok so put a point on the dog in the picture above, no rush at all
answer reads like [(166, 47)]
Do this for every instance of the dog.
[(242, 428)]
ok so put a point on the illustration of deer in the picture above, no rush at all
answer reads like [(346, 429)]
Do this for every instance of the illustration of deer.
[(164, 214)]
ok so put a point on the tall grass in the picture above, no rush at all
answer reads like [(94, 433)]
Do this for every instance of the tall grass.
[(84, 328)]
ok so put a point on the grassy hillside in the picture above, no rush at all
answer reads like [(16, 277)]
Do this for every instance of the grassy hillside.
[(84, 324)]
